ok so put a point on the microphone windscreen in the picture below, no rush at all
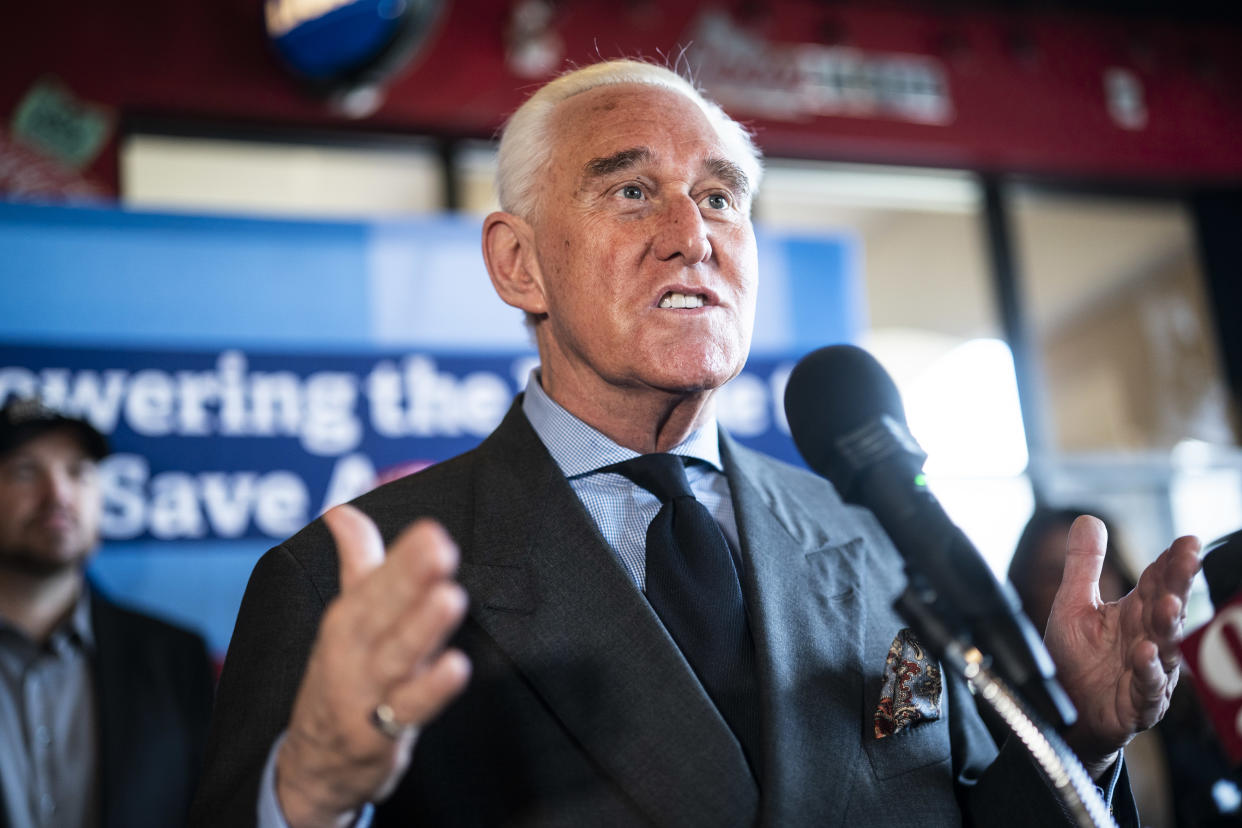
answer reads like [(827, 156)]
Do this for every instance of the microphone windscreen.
[(1222, 569), (832, 392)]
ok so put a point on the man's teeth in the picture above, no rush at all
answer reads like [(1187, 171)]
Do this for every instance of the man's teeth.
[(681, 300)]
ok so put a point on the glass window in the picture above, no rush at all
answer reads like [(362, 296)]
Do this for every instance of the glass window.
[(1119, 320), (1135, 406), (476, 176), (933, 324), (167, 172)]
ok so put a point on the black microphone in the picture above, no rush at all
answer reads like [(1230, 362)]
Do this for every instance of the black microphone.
[(848, 422), (1222, 568)]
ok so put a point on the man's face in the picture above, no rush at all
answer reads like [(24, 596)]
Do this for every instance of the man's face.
[(644, 245), (49, 504)]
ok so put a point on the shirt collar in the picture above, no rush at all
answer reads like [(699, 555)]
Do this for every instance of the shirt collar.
[(78, 624), (75, 629), (579, 449)]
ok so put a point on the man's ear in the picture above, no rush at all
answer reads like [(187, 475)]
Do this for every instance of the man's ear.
[(509, 252)]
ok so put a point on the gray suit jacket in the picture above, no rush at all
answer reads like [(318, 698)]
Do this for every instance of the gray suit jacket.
[(582, 711)]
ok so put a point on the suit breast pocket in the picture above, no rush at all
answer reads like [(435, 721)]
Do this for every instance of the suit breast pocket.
[(917, 747), (906, 723)]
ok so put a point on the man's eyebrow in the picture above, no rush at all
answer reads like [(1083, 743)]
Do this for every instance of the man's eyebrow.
[(618, 161), (728, 172), (731, 174)]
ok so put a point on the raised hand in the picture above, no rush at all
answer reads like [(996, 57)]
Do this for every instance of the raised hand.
[(380, 647), (1118, 661)]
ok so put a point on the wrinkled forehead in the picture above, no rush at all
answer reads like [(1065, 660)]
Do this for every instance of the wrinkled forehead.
[(605, 119)]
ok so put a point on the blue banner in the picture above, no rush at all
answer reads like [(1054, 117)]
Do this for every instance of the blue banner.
[(225, 445), (250, 372)]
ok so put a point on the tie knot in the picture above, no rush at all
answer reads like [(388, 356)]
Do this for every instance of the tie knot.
[(664, 475)]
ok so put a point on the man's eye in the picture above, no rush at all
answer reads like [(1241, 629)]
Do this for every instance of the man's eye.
[(631, 191), (717, 201), (20, 472)]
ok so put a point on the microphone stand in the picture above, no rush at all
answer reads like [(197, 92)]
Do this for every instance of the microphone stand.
[(1058, 763)]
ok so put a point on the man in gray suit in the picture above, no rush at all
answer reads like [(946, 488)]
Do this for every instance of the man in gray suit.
[(359, 685)]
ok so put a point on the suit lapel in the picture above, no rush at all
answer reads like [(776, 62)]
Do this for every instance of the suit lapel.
[(113, 695), (548, 590), (804, 578)]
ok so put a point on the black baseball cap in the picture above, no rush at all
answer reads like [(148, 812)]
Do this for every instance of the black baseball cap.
[(22, 419)]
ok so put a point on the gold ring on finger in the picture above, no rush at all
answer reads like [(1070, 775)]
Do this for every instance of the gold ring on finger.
[(384, 719)]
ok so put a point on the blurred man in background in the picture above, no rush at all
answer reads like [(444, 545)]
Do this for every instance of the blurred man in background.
[(103, 711)]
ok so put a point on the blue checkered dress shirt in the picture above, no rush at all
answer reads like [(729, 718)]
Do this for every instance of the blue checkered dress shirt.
[(620, 508)]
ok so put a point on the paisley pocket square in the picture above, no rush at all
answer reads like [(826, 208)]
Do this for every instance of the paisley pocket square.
[(911, 690)]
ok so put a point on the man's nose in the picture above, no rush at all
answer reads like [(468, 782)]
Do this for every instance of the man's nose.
[(59, 487), (682, 232)]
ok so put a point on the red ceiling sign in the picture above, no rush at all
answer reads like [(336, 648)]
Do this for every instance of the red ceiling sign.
[(1062, 94), (749, 75)]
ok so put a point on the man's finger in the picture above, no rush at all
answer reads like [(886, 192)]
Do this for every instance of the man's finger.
[(1165, 587), (1084, 559), (419, 633), (421, 697), (1164, 622), (359, 547), (418, 559), (1178, 565), (425, 553), (1149, 685)]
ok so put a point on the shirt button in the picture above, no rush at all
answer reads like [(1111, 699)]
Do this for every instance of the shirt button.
[(43, 735), (47, 805)]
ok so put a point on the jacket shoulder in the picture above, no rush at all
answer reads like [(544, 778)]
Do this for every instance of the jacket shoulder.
[(440, 491), (109, 614)]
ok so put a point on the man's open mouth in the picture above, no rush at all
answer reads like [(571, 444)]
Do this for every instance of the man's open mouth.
[(682, 300)]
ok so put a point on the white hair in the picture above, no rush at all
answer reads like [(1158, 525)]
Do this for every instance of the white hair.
[(526, 146)]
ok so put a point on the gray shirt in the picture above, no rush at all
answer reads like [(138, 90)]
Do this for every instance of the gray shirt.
[(48, 738)]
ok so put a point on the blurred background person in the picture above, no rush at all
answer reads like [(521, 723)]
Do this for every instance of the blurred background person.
[(102, 710), (1174, 766)]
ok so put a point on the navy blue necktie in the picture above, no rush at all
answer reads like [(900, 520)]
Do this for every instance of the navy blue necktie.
[(693, 586)]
